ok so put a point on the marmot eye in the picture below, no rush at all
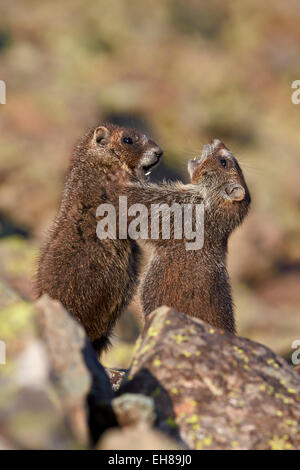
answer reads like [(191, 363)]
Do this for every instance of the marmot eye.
[(127, 140), (223, 163)]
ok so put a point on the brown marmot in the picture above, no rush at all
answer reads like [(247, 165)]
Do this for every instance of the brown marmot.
[(194, 281), (94, 279)]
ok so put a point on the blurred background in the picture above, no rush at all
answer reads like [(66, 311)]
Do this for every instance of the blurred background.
[(183, 71)]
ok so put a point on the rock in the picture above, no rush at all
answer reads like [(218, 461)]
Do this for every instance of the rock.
[(32, 366), (54, 394), (189, 386), (81, 382), (133, 439), (65, 340), (212, 389), (131, 409), (30, 417)]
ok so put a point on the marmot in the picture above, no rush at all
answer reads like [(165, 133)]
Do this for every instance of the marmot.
[(94, 279), (195, 282)]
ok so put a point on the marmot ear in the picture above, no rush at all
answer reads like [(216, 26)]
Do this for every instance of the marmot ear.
[(192, 166), (101, 135), (235, 192)]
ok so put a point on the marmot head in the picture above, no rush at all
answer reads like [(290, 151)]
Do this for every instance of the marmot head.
[(222, 180), (135, 151)]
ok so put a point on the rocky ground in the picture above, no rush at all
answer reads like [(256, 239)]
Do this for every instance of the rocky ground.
[(189, 386)]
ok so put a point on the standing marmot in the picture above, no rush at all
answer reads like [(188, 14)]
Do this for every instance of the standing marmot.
[(195, 282), (94, 279)]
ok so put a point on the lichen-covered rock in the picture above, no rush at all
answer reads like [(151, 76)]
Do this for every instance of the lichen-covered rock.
[(30, 417), (65, 340), (212, 389), (79, 379)]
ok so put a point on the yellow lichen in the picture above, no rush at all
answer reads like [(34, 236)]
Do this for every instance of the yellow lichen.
[(285, 399), (290, 422), (240, 351), (199, 445), (207, 441), (156, 362), (203, 443), (145, 348), (280, 444), (152, 331), (137, 346), (186, 353), (192, 419), (179, 339)]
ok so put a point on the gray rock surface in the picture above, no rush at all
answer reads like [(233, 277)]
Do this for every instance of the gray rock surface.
[(215, 390)]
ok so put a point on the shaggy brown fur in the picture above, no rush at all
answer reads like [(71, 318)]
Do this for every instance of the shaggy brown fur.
[(195, 282), (94, 279)]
